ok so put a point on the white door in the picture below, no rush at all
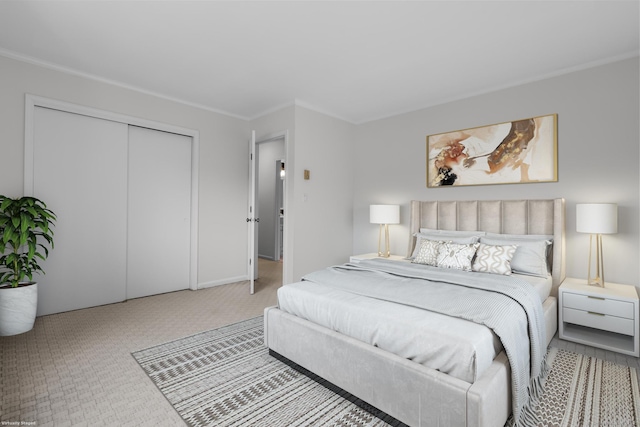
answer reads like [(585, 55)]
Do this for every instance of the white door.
[(124, 209), (159, 212), (254, 213), (80, 171), (279, 213), (252, 219)]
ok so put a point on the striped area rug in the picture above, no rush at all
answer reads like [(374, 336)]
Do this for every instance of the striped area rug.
[(226, 377), (585, 391)]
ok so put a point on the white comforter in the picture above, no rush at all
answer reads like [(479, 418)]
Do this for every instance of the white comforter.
[(454, 346)]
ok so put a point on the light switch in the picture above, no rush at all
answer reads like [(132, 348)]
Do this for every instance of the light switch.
[(306, 174)]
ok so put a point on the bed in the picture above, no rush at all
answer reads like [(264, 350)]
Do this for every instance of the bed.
[(389, 375)]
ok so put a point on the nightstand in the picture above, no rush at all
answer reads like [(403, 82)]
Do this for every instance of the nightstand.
[(358, 258), (600, 317)]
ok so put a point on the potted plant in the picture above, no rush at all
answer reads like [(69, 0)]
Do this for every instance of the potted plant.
[(25, 231)]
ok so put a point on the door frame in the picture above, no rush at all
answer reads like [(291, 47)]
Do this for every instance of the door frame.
[(279, 203), (33, 101), (287, 192)]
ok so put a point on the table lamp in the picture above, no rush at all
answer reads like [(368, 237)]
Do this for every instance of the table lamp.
[(384, 215), (596, 219)]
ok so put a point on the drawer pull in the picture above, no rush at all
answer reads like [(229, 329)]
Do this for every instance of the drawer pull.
[(597, 314), (589, 296)]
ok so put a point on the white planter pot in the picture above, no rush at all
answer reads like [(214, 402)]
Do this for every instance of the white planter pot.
[(18, 309)]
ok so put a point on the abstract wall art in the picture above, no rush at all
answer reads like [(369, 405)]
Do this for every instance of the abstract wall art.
[(520, 151)]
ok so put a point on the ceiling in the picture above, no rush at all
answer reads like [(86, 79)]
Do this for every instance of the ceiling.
[(355, 60)]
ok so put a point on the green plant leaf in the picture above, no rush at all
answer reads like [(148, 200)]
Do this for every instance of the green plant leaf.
[(8, 235), (26, 222), (5, 202), (46, 251), (26, 228)]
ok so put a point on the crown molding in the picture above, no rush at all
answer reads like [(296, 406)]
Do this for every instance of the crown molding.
[(558, 73), (301, 103), (66, 70)]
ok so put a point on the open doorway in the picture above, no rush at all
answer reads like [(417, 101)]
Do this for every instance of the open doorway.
[(270, 177)]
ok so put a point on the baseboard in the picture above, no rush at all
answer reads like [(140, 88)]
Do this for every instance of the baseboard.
[(222, 282)]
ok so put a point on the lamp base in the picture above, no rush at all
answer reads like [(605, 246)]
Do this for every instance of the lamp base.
[(596, 281), (599, 279), (386, 253)]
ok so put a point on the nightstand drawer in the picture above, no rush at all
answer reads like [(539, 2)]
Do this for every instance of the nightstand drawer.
[(598, 305), (599, 321)]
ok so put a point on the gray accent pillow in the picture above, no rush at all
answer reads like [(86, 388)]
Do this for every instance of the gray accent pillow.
[(531, 252), (428, 252), (494, 259), (456, 255), (443, 236)]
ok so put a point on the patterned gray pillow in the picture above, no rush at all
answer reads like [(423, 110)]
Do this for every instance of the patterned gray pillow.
[(456, 255), (444, 236), (428, 252), (530, 257), (494, 259)]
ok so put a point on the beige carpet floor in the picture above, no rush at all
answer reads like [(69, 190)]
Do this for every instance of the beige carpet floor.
[(76, 369)]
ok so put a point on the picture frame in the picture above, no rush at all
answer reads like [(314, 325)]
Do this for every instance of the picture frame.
[(515, 152)]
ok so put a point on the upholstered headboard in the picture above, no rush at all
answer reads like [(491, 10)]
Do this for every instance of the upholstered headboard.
[(497, 216)]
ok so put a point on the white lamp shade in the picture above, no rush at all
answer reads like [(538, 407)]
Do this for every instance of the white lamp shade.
[(597, 218), (384, 214)]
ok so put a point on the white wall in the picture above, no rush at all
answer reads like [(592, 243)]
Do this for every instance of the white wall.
[(324, 203), (319, 211), (598, 152), (223, 155)]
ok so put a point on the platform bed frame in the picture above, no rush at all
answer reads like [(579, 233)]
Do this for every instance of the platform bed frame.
[(405, 390)]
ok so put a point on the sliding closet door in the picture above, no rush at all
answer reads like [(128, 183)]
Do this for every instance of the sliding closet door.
[(159, 212), (80, 171)]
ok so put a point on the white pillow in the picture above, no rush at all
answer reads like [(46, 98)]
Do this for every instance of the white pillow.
[(428, 252), (494, 259), (456, 255), (531, 253)]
